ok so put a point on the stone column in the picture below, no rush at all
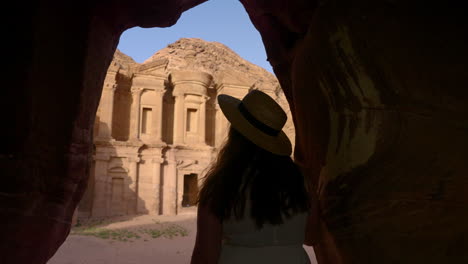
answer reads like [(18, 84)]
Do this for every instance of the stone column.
[(156, 182), (202, 121), (169, 186), (234, 88), (102, 195), (179, 119), (180, 187), (107, 109), (131, 196), (156, 128), (194, 81), (221, 125), (135, 114)]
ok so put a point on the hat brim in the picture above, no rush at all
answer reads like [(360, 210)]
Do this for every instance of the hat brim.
[(279, 144)]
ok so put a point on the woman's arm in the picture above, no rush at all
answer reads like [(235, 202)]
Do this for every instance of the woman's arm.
[(208, 242)]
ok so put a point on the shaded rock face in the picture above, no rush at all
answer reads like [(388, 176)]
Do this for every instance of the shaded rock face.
[(381, 123), (376, 88)]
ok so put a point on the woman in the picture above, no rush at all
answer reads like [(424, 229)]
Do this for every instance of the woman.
[(253, 206)]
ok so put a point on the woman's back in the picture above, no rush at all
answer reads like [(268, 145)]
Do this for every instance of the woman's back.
[(244, 242)]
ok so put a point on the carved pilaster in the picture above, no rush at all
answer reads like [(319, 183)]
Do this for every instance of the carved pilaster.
[(202, 121), (156, 182), (221, 125), (131, 181), (135, 114), (102, 192), (179, 119), (169, 187), (156, 132), (107, 109)]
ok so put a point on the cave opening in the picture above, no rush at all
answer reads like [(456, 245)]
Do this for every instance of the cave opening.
[(377, 90), (158, 126)]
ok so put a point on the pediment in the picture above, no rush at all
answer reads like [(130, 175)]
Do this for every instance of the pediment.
[(118, 169), (155, 67)]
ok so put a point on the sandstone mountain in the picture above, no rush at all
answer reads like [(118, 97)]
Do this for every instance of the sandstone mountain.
[(123, 59), (215, 59)]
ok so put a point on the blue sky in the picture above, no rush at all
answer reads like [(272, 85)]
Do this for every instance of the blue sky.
[(224, 21)]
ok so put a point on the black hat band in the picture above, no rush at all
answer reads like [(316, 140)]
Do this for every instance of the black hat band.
[(256, 123)]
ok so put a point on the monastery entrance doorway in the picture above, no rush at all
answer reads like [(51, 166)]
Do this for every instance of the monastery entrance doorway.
[(190, 190)]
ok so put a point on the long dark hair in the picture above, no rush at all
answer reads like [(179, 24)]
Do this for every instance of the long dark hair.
[(276, 185)]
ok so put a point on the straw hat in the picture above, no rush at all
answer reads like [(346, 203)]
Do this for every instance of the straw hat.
[(259, 118)]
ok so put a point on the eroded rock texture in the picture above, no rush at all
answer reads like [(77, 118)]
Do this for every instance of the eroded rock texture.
[(377, 89), (60, 52)]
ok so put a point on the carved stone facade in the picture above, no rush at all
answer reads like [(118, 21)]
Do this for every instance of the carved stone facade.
[(156, 131)]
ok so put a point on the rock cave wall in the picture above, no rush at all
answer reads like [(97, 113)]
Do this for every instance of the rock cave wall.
[(377, 90)]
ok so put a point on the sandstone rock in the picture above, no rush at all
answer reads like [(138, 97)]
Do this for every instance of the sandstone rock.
[(402, 200), (215, 59)]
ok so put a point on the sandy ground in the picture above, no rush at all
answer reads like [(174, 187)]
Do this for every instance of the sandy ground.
[(79, 249)]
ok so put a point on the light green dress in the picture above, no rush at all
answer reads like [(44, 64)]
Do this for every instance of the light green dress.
[(280, 244)]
